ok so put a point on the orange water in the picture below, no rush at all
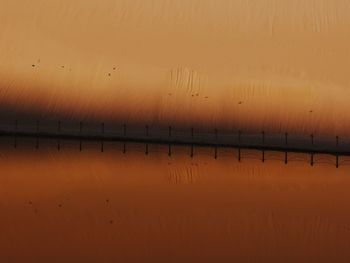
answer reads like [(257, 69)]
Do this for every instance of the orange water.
[(71, 206)]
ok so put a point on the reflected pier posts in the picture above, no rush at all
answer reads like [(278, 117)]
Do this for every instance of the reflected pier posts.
[(286, 157), (337, 161), (263, 156)]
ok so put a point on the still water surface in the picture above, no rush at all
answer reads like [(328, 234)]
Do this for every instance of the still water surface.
[(71, 206)]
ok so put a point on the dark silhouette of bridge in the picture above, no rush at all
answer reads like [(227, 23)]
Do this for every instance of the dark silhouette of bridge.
[(264, 142)]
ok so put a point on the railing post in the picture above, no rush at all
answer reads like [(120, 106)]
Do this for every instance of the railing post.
[(337, 155), (239, 142), (169, 146), (192, 138), (37, 135), (124, 130), (102, 140), (147, 133), (81, 131), (16, 130), (263, 137), (263, 143), (216, 144), (286, 153), (58, 134), (124, 133)]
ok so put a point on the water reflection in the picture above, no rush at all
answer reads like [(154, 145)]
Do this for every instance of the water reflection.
[(108, 207)]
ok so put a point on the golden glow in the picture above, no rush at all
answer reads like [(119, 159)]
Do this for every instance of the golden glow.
[(181, 62)]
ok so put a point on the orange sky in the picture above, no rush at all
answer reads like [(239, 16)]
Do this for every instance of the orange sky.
[(231, 64)]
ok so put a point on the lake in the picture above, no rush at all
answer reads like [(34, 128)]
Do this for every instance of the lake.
[(68, 205)]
